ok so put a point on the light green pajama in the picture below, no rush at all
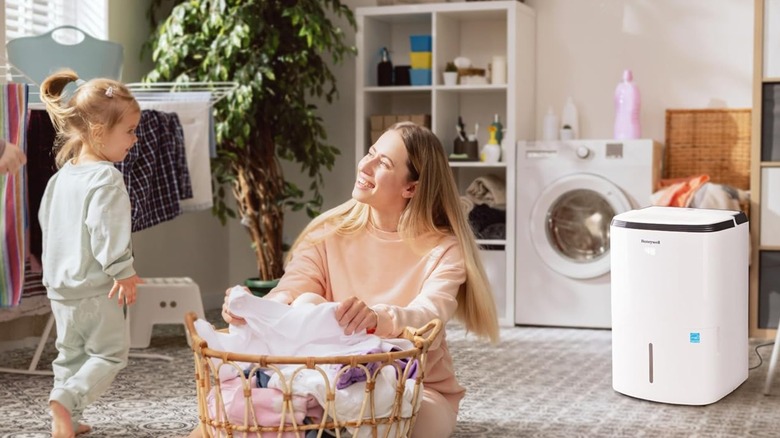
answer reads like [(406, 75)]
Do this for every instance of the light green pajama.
[(93, 343), (85, 218)]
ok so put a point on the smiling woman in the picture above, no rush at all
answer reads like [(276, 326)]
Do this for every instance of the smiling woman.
[(399, 254)]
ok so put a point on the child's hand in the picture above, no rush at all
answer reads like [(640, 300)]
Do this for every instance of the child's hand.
[(126, 289)]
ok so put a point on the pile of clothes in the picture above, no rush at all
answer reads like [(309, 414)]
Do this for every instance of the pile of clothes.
[(698, 192), (485, 207)]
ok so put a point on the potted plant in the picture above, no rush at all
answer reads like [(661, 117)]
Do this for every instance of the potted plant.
[(450, 74), (276, 51)]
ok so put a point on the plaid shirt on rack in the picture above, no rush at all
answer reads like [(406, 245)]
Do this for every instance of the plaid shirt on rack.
[(155, 170)]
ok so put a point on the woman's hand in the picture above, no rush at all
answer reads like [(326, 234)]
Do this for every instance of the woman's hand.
[(354, 315), (12, 159), (226, 315)]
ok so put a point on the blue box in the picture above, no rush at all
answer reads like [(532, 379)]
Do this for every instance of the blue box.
[(421, 43), (420, 76)]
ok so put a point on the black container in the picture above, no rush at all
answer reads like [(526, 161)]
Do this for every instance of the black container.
[(384, 70), (470, 148), (402, 76)]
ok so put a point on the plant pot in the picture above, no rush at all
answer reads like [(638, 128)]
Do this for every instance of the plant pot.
[(450, 78), (260, 288)]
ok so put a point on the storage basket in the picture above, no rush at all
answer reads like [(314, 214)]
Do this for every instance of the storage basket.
[(215, 419), (715, 142)]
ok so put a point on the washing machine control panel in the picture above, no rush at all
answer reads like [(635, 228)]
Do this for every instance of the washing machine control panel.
[(583, 152)]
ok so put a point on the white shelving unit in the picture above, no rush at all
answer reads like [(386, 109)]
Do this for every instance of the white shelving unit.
[(765, 173), (478, 31)]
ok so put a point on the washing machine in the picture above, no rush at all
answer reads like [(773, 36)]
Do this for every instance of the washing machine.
[(567, 194)]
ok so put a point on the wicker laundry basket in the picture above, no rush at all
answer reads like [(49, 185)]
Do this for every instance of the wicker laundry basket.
[(715, 142), (372, 420)]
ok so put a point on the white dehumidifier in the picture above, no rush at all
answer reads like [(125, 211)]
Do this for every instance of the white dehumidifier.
[(679, 304)]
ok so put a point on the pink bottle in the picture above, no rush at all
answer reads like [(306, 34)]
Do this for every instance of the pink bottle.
[(627, 108)]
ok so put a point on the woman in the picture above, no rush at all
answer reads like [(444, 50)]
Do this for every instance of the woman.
[(399, 253)]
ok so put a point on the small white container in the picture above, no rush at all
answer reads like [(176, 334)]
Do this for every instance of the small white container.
[(491, 153), (450, 78), (550, 128), (498, 70), (569, 117)]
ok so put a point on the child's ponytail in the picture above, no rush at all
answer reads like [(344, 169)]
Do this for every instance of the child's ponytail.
[(51, 95)]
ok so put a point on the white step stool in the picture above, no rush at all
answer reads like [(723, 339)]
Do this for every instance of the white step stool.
[(162, 301)]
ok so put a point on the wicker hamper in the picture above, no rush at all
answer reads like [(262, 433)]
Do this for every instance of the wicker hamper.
[(215, 421), (715, 142)]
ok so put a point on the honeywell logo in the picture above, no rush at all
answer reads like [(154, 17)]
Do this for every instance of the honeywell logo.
[(651, 242)]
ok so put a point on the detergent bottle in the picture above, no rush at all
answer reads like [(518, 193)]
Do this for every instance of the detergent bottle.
[(627, 108)]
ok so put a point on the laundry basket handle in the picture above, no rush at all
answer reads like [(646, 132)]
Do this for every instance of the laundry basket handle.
[(417, 336)]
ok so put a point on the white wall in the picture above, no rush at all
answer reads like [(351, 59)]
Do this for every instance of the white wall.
[(684, 54)]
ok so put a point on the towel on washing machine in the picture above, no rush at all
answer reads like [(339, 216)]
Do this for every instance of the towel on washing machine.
[(489, 190)]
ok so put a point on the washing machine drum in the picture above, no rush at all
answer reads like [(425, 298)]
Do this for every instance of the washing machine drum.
[(570, 224)]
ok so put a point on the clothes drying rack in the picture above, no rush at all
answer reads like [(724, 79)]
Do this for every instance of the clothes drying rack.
[(161, 91), (144, 92)]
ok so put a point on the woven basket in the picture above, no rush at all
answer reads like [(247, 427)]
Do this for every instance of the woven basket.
[(215, 421), (715, 142)]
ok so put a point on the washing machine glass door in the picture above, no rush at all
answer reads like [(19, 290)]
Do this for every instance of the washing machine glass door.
[(570, 224)]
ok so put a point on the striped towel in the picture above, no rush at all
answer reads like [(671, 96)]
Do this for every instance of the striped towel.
[(13, 197)]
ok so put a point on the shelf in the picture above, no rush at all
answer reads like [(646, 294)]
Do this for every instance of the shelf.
[(491, 242), (476, 164), (478, 31), (472, 88), (399, 89), (769, 164)]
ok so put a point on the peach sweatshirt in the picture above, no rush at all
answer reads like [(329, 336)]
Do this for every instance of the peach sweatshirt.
[(406, 284)]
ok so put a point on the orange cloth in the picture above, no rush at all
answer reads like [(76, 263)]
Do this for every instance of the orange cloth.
[(679, 194)]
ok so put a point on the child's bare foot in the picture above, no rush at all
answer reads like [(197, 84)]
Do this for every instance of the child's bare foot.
[(83, 428), (61, 426)]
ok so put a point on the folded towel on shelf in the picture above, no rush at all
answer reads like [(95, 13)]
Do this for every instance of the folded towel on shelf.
[(489, 190)]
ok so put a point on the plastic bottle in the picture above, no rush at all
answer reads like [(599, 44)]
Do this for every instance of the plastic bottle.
[(550, 128), (570, 118), (627, 108)]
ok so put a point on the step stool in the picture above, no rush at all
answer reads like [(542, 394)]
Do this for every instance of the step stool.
[(162, 301)]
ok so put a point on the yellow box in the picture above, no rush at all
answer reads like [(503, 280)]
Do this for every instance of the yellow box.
[(421, 60)]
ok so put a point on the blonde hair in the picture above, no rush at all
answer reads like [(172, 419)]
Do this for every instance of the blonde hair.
[(98, 104), (435, 207)]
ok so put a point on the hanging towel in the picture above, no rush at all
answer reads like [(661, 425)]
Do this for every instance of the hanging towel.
[(13, 196), (194, 111), (489, 190), (40, 167)]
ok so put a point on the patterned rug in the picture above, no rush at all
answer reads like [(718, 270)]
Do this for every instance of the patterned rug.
[(537, 382)]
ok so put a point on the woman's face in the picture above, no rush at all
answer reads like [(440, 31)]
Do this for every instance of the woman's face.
[(383, 176)]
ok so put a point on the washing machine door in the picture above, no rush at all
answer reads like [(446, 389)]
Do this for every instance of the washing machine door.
[(570, 224)]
